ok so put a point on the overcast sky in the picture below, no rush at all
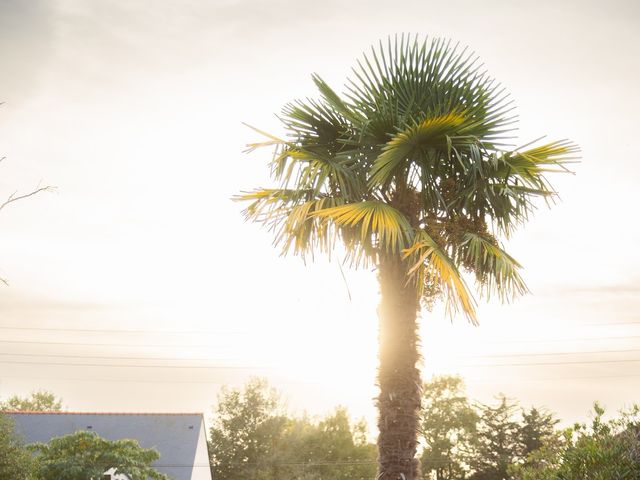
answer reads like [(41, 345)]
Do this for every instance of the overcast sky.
[(133, 110)]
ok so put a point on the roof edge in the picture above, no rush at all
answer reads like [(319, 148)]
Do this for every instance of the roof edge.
[(39, 412)]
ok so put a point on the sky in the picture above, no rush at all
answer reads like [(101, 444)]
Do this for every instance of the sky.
[(137, 286)]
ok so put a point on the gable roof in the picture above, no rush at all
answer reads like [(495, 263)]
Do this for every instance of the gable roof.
[(179, 437)]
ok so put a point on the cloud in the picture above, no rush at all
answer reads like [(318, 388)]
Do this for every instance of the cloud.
[(26, 37)]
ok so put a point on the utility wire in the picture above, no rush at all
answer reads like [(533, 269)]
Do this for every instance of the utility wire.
[(535, 364), (122, 365), (176, 345), (84, 344), (170, 359), (545, 354), (103, 357), (84, 330), (107, 365), (215, 382)]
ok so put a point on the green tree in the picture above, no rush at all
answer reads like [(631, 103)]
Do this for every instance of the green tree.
[(537, 427), (447, 426), (246, 429), (253, 437), (331, 448), (497, 443), (605, 450), (84, 455), (38, 401), (408, 169), (16, 462)]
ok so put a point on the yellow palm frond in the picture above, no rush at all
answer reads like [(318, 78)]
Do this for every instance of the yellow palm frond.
[(428, 259), (273, 140), (376, 221)]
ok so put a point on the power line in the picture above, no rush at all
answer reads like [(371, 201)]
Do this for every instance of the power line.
[(609, 324), (544, 354), (84, 344), (122, 365), (118, 331), (535, 364), (112, 357), (100, 357), (176, 345), (556, 340), (215, 382)]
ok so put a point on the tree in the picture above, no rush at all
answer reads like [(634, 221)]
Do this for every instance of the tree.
[(15, 460), (497, 443), (331, 448), (409, 171), (246, 429), (84, 455), (447, 427), (604, 450), (252, 437), (537, 427), (38, 401)]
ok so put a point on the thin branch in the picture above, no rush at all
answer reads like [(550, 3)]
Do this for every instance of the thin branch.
[(13, 198)]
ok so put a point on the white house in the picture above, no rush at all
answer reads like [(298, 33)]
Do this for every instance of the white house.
[(112, 474), (180, 438)]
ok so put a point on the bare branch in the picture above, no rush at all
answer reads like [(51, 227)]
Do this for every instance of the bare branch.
[(13, 198)]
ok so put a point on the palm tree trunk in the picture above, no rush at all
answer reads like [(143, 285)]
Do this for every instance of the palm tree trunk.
[(398, 374)]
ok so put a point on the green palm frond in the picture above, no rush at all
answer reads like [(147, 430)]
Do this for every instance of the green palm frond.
[(387, 227), (516, 178), (408, 80), (430, 133), (495, 270), (428, 260), (333, 100)]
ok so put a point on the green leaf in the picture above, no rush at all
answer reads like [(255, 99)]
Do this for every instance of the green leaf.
[(429, 133)]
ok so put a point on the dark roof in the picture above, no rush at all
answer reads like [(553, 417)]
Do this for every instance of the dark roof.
[(179, 437)]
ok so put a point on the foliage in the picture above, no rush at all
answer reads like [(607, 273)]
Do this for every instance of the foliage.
[(448, 425), (410, 172), (39, 401), (15, 460), (479, 442), (253, 437), (409, 162), (605, 450), (496, 444), (537, 428), (246, 428), (83, 455)]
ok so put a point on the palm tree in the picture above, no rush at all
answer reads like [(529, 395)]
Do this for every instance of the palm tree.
[(409, 170)]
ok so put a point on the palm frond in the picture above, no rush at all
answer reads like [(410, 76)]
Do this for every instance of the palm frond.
[(427, 259), (430, 133), (388, 227), (274, 141), (495, 270)]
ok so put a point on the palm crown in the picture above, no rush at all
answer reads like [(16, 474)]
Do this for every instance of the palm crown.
[(411, 161)]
